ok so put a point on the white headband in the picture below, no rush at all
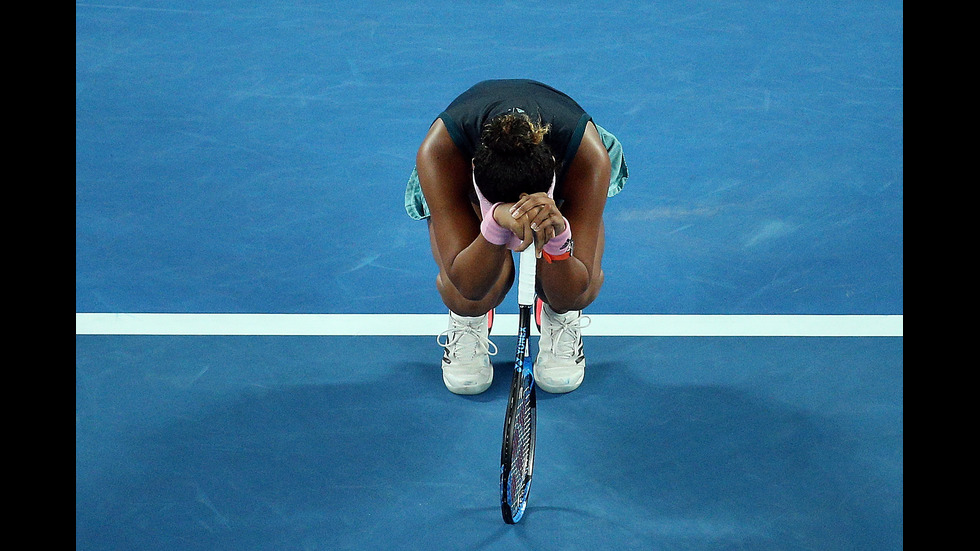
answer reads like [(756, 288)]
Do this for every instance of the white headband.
[(485, 204)]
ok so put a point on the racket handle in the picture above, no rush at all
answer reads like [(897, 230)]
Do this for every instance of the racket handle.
[(525, 277)]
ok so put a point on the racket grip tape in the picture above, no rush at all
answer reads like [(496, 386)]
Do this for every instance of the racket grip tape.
[(525, 277)]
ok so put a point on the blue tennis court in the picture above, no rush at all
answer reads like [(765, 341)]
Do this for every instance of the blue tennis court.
[(251, 157)]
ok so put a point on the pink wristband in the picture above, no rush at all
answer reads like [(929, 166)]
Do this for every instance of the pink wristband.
[(561, 243), (492, 231)]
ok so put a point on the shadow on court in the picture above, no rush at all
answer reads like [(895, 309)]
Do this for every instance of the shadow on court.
[(233, 460)]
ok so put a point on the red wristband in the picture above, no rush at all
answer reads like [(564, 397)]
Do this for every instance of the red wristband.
[(560, 246), (553, 258)]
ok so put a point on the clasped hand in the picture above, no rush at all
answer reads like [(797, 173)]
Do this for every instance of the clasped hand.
[(534, 218)]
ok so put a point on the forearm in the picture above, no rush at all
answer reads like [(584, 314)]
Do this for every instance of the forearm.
[(476, 268)]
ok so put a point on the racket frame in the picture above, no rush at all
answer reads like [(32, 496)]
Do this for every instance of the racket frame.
[(513, 507)]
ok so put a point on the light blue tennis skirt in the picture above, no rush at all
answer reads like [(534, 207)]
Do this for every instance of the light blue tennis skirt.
[(417, 208)]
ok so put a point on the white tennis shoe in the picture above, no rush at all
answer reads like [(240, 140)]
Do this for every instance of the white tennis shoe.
[(466, 367), (560, 366)]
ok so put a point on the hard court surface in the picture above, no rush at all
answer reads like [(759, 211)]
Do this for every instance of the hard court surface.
[(250, 158)]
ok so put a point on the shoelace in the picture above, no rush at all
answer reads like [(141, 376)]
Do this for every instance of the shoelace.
[(571, 328), (454, 334)]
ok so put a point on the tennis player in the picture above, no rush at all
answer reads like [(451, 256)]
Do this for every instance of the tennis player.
[(512, 164)]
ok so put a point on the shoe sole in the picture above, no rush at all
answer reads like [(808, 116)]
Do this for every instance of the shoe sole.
[(560, 389), (469, 390)]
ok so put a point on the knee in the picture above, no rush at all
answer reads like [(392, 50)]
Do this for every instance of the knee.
[(582, 301), (455, 301)]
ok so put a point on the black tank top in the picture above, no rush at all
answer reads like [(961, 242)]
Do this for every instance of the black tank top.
[(466, 115)]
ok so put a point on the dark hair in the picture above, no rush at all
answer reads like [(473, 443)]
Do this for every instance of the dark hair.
[(512, 158)]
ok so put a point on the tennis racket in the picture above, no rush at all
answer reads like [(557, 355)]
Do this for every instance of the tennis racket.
[(517, 450)]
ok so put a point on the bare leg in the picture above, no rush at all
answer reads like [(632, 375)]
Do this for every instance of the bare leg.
[(455, 301), (590, 294)]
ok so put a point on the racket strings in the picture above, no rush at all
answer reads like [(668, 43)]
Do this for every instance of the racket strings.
[(521, 445)]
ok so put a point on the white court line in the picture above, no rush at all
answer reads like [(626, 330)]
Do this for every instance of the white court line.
[(602, 325)]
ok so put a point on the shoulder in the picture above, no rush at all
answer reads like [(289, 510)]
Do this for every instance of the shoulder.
[(592, 151), (438, 145), (587, 177), (445, 173)]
